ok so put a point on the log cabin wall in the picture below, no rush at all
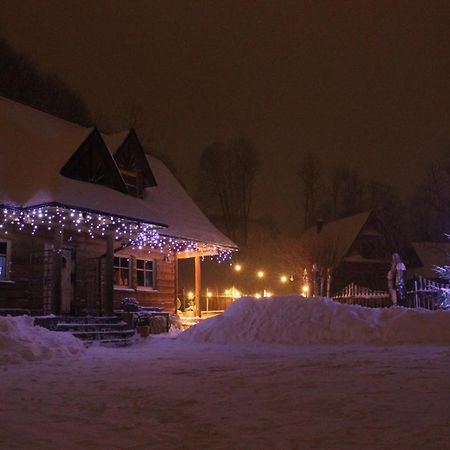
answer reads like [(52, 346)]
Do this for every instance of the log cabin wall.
[(16, 291), (31, 279), (162, 294)]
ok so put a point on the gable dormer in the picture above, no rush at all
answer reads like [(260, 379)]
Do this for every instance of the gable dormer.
[(133, 165), (93, 163)]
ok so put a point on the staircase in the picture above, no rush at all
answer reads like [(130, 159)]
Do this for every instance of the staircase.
[(106, 331)]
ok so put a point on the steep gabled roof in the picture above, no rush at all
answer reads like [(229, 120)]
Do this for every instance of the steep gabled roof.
[(36, 146), (130, 155), (92, 162), (334, 238), (174, 207)]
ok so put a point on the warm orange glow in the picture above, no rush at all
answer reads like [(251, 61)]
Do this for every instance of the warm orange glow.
[(209, 294), (237, 267), (190, 295), (283, 278), (260, 274)]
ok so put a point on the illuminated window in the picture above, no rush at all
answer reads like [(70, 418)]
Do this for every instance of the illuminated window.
[(145, 273), (4, 260), (122, 271)]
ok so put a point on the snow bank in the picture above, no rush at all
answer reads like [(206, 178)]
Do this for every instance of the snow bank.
[(300, 320), (21, 341)]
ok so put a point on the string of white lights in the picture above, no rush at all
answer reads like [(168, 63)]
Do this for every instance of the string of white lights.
[(133, 234)]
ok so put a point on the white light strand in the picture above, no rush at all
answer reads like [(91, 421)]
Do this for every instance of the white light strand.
[(138, 235)]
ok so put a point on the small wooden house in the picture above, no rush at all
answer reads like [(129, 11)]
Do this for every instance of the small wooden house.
[(87, 219), (356, 248)]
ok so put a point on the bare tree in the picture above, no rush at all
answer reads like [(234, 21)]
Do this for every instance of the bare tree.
[(347, 193), (430, 206), (310, 174), (227, 175)]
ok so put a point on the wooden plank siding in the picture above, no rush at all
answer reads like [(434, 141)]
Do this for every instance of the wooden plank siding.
[(164, 293), (27, 281)]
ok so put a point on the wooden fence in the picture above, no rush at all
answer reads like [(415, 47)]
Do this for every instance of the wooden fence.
[(420, 293)]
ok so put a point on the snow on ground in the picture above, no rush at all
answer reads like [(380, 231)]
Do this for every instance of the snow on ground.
[(165, 393), (300, 320), (21, 341)]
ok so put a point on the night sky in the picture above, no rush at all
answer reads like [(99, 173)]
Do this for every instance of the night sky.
[(365, 83)]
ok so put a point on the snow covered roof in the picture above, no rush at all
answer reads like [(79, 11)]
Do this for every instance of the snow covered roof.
[(336, 236), (35, 146), (431, 254), (175, 208)]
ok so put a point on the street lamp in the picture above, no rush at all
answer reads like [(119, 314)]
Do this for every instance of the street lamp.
[(260, 274)]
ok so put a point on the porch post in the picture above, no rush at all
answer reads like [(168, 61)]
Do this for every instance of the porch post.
[(108, 307), (198, 286), (57, 268)]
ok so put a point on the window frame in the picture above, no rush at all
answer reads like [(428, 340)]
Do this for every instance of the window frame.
[(119, 267), (7, 255), (134, 189), (144, 271)]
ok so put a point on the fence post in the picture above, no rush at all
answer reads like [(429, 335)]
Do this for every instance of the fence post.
[(416, 294)]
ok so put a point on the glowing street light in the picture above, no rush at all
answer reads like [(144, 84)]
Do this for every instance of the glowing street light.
[(260, 274), (257, 295), (283, 278), (190, 295), (305, 290), (237, 267)]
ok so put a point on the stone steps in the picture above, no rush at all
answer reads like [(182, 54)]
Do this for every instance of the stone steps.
[(110, 331)]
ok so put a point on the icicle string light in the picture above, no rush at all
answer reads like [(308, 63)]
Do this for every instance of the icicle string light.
[(136, 235)]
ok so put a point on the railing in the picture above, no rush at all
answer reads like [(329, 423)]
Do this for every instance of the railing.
[(211, 304), (422, 293), (359, 295)]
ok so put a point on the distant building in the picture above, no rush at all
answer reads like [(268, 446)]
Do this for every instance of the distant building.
[(356, 248), (426, 256), (87, 219)]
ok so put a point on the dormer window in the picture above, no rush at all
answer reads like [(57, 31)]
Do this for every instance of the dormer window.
[(132, 182)]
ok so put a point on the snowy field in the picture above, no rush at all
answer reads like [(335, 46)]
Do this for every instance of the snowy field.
[(219, 386)]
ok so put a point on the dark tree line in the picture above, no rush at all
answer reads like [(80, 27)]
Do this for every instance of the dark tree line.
[(22, 80)]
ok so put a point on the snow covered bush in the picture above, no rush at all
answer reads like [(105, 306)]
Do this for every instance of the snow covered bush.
[(21, 341), (443, 292), (130, 304)]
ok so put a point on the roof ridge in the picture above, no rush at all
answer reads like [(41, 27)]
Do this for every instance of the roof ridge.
[(51, 116)]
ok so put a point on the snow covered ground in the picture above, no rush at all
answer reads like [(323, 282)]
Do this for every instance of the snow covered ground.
[(219, 386)]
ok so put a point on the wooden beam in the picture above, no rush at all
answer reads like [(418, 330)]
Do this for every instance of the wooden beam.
[(198, 285), (107, 308), (57, 268)]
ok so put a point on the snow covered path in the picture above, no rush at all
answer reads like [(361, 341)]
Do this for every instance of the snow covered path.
[(164, 393)]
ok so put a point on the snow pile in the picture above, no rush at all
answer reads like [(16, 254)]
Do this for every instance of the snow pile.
[(300, 320), (21, 341)]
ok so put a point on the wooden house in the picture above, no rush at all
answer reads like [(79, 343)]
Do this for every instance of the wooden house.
[(87, 219), (355, 248)]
